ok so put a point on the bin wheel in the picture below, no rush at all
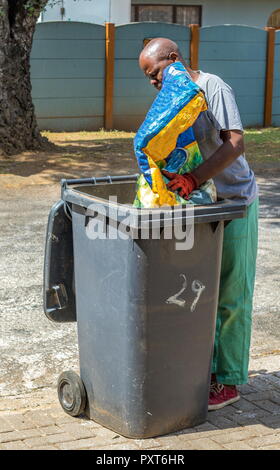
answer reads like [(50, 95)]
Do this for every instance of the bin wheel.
[(71, 393)]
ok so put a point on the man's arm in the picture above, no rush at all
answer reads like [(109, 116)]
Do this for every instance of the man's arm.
[(232, 148), (226, 116)]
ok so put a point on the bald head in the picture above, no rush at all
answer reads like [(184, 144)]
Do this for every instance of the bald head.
[(156, 56), (159, 49)]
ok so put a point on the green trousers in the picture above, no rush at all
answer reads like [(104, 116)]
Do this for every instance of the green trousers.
[(234, 315)]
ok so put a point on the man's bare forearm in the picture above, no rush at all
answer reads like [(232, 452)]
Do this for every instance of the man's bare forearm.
[(224, 156)]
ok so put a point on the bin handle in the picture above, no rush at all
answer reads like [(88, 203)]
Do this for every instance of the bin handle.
[(102, 179)]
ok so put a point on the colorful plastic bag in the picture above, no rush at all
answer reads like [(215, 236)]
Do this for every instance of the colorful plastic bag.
[(166, 140)]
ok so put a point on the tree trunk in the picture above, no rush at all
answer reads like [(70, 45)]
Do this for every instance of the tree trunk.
[(18, 126)]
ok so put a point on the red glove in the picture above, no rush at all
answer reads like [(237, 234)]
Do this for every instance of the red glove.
[(187, 183)]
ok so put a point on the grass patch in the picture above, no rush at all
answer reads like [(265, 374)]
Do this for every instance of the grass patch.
[(263, 145), (81, 136)]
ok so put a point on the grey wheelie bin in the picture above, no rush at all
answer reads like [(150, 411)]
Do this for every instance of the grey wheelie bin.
[(145, 309)]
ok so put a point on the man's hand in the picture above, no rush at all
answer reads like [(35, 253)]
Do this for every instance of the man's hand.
[(185, 184)]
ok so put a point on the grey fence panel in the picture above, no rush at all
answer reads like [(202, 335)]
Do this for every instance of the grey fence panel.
[(67, 73), (276, 83), (238, 55), (133, 94)]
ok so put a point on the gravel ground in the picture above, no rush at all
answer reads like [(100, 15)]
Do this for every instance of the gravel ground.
[(34, 351)]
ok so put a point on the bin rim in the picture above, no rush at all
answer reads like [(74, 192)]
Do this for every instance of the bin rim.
[(72, 192)]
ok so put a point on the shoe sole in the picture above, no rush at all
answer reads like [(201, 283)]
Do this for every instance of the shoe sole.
[(225, 403)]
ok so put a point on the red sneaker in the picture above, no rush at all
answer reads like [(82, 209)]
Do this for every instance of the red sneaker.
[(222, 395)]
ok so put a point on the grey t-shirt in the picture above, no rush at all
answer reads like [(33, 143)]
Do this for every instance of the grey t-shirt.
[(237, 181)]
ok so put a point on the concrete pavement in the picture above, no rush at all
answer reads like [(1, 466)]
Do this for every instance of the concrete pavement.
[(36, 421)]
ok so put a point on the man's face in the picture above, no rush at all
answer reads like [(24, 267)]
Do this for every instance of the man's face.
[(153, 69)]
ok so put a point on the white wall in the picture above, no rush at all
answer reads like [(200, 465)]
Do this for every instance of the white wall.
[(120, 11), (90, 11), (214, 12), (249, 12)]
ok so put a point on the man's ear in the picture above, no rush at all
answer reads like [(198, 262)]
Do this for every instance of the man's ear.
[(173, 56)]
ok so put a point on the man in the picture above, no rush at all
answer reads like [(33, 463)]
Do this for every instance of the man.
[(219, 134)]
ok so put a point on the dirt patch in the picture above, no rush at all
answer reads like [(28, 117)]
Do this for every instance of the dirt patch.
[(80, 154), (84, 154)]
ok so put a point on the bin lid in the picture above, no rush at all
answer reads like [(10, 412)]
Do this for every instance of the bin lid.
[(59, 289)]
